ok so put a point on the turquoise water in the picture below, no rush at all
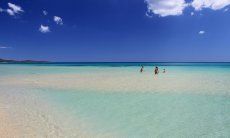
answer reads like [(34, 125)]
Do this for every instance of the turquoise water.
[(151, 115), (180, 113)]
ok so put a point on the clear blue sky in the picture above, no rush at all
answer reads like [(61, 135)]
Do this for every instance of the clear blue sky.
[(115, 30)]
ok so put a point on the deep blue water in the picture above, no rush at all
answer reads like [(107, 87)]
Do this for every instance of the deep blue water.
[(119, 64)]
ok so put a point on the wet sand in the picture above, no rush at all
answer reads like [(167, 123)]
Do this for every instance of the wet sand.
[(7, 128)]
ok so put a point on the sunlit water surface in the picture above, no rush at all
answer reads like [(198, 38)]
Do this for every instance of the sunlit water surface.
[(107, 101)]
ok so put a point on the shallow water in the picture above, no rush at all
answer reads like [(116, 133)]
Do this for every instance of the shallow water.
[(104, 101)]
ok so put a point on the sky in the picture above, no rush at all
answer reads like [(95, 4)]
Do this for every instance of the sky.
[(115, 30)]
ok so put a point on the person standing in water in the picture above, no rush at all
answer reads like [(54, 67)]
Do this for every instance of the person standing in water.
[(142, 69), (164, 71), (156, 71)]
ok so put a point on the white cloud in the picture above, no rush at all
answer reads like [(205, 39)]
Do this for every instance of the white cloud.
[(4, 47), (176, 7), (149, 14), (10, 12), (44, 12), (44, 29), (212, 4), (15, 8), (1, 10), (58, 20), (166, 7), (201, 32)]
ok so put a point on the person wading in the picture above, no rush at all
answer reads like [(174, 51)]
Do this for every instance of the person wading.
[(156, 70)]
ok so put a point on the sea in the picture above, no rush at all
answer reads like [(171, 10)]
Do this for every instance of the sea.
[(189, 100)]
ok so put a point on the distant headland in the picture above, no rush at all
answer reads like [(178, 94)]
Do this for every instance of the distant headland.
[(20, 61)]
